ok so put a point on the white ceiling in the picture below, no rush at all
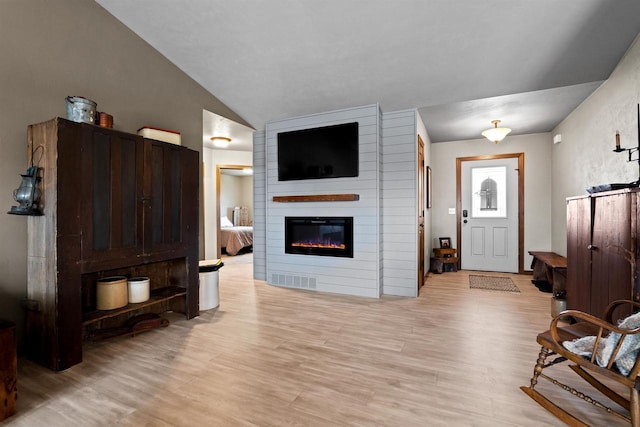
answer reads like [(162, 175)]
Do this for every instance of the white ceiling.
[(461, 63)]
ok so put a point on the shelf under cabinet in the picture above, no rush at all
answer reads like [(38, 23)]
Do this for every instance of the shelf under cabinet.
[(157, 296)]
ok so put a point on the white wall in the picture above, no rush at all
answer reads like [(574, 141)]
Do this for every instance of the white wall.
[(584, 157), (230, 195), (399, 203), (236, 191), (259, 207), (212, 158), (537, 185), (246, 191)]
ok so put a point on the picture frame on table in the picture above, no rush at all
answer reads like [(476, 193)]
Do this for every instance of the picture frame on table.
[(445, 242)]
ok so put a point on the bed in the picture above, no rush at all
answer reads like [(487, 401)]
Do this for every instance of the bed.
[(235, 238)]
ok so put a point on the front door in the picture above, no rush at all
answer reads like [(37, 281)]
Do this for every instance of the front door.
[(490, 212)]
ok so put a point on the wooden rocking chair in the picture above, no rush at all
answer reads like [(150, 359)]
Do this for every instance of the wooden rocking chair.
[(588, 325)]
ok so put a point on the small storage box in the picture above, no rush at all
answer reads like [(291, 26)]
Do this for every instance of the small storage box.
[(171, 136), (111, 293), (138, 289)]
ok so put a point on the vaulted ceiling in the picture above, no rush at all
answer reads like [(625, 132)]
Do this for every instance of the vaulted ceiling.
[(461, 63)]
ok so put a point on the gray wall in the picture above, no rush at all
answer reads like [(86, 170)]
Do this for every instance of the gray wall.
[(585, 157), (51, 49)]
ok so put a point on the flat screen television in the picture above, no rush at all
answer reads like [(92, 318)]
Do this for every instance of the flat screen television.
[(323, 152)]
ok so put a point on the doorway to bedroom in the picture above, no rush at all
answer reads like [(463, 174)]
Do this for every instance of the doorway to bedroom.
[(227, 180), (235, 202)]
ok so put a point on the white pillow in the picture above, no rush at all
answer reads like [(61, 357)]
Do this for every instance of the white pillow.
[(224, 222)]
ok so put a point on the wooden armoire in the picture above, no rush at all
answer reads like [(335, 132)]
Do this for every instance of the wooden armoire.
[(114, 204), (602, 233)]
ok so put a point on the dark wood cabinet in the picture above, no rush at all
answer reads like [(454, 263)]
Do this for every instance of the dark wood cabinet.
[(8, 369), (602, 233), (114, 204)]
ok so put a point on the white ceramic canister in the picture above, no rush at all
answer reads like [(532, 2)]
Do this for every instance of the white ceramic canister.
[(138, 289)]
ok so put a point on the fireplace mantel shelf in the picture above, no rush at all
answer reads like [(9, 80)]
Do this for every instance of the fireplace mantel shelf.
[(318, 198)]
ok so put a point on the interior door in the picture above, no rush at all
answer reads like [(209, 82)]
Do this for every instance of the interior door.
[(489, 202), (421, 207)]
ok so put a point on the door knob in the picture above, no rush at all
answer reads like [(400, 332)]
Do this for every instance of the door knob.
[(465, 221), (592, 247)]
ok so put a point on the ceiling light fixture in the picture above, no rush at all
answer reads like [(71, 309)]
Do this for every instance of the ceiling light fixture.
[(496, 134), (220, 141)]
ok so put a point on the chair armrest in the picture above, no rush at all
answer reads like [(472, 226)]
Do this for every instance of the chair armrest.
[(578, 315), (608, 313), (602, 327)]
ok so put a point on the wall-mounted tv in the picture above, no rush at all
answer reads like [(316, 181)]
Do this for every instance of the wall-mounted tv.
[(323, 152)]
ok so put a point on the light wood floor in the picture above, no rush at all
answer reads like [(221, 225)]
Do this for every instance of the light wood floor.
[(279, 357)]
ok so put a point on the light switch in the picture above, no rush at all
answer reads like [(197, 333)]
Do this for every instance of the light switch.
[(452, 211)]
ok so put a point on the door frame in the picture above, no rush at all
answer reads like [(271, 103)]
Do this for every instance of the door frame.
[(421, 213), (520, 157), (217, 216)]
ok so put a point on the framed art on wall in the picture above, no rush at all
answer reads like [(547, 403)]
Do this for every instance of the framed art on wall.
[(428, 186)]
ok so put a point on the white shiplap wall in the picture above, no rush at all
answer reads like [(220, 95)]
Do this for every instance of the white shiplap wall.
[(380, 217), (259, 207), (399, 203), (359, 275), (385, 223)]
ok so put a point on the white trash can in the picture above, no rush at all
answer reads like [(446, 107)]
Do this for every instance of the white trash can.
[(209, 292)]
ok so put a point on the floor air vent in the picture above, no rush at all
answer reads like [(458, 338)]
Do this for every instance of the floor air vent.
[(289, 281)]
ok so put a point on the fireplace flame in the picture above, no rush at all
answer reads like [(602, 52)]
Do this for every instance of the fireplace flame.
[(329, 245)]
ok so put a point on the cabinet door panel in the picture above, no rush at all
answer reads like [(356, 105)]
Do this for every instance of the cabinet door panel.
[(612, 238), (166, 189), (578, 254), (113, 218), (191, 223)]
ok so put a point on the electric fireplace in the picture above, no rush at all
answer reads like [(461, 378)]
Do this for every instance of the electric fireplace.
[(322, 236)]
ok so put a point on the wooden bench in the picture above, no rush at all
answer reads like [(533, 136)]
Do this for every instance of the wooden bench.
[(550, 267)]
